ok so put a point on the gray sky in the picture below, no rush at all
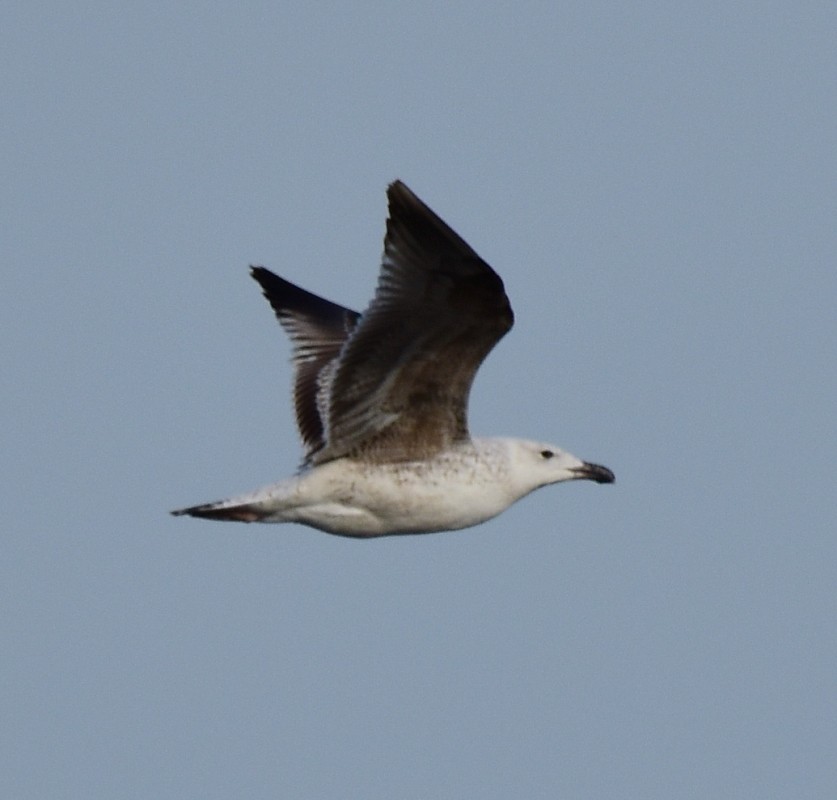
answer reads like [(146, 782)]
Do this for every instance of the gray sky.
[(656, 184)]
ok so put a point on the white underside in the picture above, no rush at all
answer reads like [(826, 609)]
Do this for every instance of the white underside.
[(455, 490), (468, 484)]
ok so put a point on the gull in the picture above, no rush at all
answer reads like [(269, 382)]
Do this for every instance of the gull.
[(381, 398)]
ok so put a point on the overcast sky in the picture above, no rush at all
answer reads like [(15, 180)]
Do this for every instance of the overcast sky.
[(656, 184)]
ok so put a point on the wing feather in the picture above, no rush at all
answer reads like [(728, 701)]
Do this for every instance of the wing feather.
[(318, 330), (401, 385)]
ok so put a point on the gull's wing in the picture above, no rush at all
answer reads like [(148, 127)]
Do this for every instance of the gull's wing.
[(401, 383), (318, 329)]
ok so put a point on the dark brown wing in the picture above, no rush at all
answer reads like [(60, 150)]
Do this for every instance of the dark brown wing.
[(318, 330), (401, 386)]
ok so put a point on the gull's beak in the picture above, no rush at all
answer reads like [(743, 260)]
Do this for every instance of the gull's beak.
[(593, 472)]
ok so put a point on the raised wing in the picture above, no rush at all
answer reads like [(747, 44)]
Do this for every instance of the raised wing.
[(401, 384), (318, 330)]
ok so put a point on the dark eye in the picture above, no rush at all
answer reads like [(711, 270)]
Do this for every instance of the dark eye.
[(547, 453)]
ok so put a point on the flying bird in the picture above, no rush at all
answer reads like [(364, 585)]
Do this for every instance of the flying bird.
[(381, 398)]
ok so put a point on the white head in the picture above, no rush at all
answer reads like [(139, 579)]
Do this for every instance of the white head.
[(535, 464)]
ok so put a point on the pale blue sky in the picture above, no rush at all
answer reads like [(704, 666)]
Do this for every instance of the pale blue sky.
[(657, 185)]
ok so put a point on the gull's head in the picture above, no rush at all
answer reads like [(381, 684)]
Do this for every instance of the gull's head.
[(538, 464)]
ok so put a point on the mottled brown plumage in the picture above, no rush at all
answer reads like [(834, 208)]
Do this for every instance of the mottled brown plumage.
[(392, 384)]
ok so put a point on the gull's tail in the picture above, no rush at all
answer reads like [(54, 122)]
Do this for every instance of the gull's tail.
[(226, 510)]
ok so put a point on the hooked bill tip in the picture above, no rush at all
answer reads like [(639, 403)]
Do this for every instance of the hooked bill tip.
[(595, 472)]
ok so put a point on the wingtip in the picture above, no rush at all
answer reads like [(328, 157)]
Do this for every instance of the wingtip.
[(258, 272), (401, 199)]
